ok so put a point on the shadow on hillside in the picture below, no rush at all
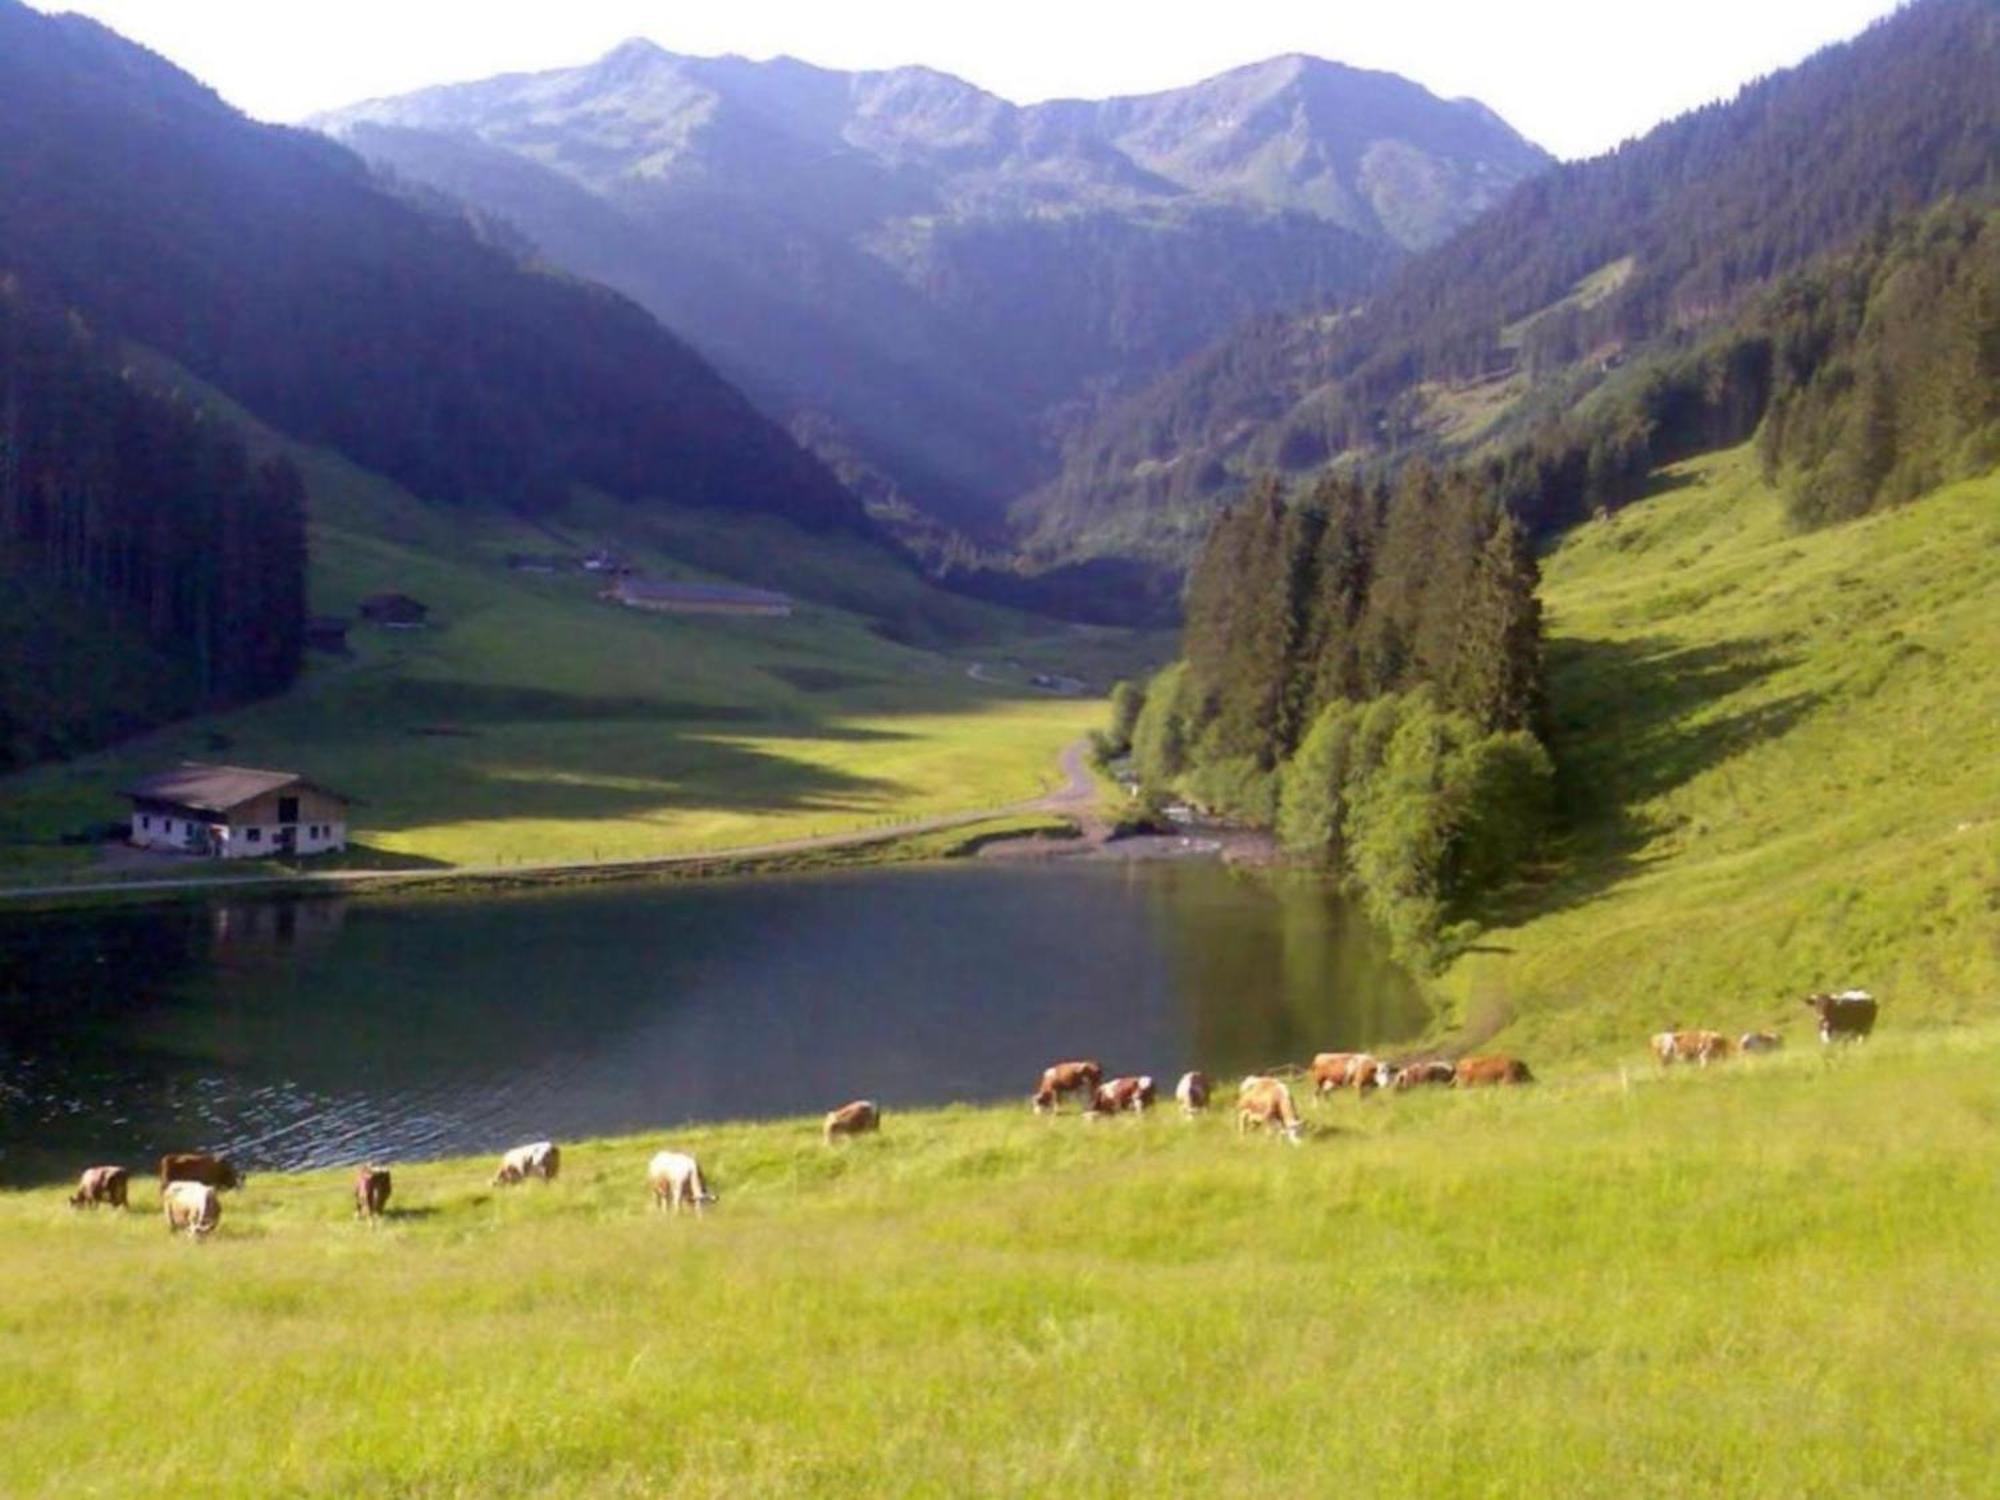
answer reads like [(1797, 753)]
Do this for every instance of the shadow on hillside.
[(1621, 737)]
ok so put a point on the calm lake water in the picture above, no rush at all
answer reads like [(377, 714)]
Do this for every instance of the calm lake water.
[(305, 1032)]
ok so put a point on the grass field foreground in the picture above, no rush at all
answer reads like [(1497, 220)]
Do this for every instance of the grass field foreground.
[(1767, 1279)]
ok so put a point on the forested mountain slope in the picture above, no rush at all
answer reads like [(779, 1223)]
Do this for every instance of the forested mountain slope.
[(270, 262), (1577, 275), (926, 280)]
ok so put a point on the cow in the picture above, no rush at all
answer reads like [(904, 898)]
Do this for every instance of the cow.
[(1122, 1095), (1700, 1047), (100, 1185), (192, 1206), (541, 1159), (1846, 1017), (1477, 1072), (371, 1191), (1760, 1041), (1359, 1071), (857, 1118), (1192, 1091), (1266, 1103), (1414, 1075), (1067, 1078), (676, 1178), (198, 1166)]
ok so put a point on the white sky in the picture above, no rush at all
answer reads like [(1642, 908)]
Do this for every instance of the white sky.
[(1577, 76)]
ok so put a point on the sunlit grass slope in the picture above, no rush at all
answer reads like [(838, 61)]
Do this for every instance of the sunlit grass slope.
[(533, 721), (1772, 1279), (1781, 760)]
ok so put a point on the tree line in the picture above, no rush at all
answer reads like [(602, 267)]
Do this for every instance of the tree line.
[(1362, 670), (153, 517)]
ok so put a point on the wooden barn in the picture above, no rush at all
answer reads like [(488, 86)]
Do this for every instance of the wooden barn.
[(236, 812)]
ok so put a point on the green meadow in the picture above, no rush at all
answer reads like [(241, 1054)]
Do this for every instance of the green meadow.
[(532, 721), (1771, 1279), (1779, 761)]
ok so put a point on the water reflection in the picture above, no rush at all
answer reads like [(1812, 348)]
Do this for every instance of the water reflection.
[(308, 1032)]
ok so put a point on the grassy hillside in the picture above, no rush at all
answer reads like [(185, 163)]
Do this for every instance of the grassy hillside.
[(1781, 756), (1771, 1279), (533, 721)]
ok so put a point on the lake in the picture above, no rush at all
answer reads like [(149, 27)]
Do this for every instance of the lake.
[(304, 1032)]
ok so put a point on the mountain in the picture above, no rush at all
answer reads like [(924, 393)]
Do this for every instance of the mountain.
[(272, 264), (1580, 275), (929, 283)]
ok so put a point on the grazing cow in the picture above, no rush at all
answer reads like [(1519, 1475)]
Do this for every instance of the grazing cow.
[(1846, 1017), (1416, 1074), (199, 1166), (1122, 1095), (371, 1191), (1702, 1047), (1760, 1041), (1360, 1071), (1067, 1078), (1192, 1091), (676, 1179), (1266, 1103), (1477, 1072), (857, 1118), (193, 1206), (541, 1159), (100, 1185)]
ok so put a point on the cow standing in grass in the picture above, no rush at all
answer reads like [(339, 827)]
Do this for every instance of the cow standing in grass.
[(1484, 1072), (1122, 1096), (1080, 1077), (191, 1206), (857, 1118), (541, 1159), (676, 1178), (1266, 1103), (1192, 1092), (1360, 1071), (101, 1185), (1698, 1047), (371, 1191), (1846, 1017), (1435, 1071)]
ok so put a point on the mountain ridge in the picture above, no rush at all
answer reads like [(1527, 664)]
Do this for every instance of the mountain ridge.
[(927, 282)]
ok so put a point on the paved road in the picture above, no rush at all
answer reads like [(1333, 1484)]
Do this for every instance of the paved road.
[(1073, 799)]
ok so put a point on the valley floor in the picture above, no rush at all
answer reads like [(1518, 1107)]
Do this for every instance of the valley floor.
[(1768, 1279)]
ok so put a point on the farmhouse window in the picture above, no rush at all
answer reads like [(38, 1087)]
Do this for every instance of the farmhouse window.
[(145, 822), (256, 835), (288, 809)]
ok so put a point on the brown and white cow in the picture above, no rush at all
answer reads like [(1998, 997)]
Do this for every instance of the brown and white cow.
[(101, 1185), (857, 1118), (1417, 1074), (541, 1159), (198, 1166), (1265, 1102), (676, 1178), (1699, 1047), (1760, 1041), (1192, 1091), (1080, 1077), (1479, 1072), (1122, 1096), (1360, 1071), (1846, 1017), (191, 1206), (371, 1191)]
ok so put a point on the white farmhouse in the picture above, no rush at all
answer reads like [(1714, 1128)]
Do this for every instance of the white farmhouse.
[(235, 812)]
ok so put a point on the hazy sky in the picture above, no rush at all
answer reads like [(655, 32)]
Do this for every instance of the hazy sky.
[(1577, 76)]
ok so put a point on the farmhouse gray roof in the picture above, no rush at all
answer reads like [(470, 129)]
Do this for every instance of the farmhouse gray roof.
[(216, 788)]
